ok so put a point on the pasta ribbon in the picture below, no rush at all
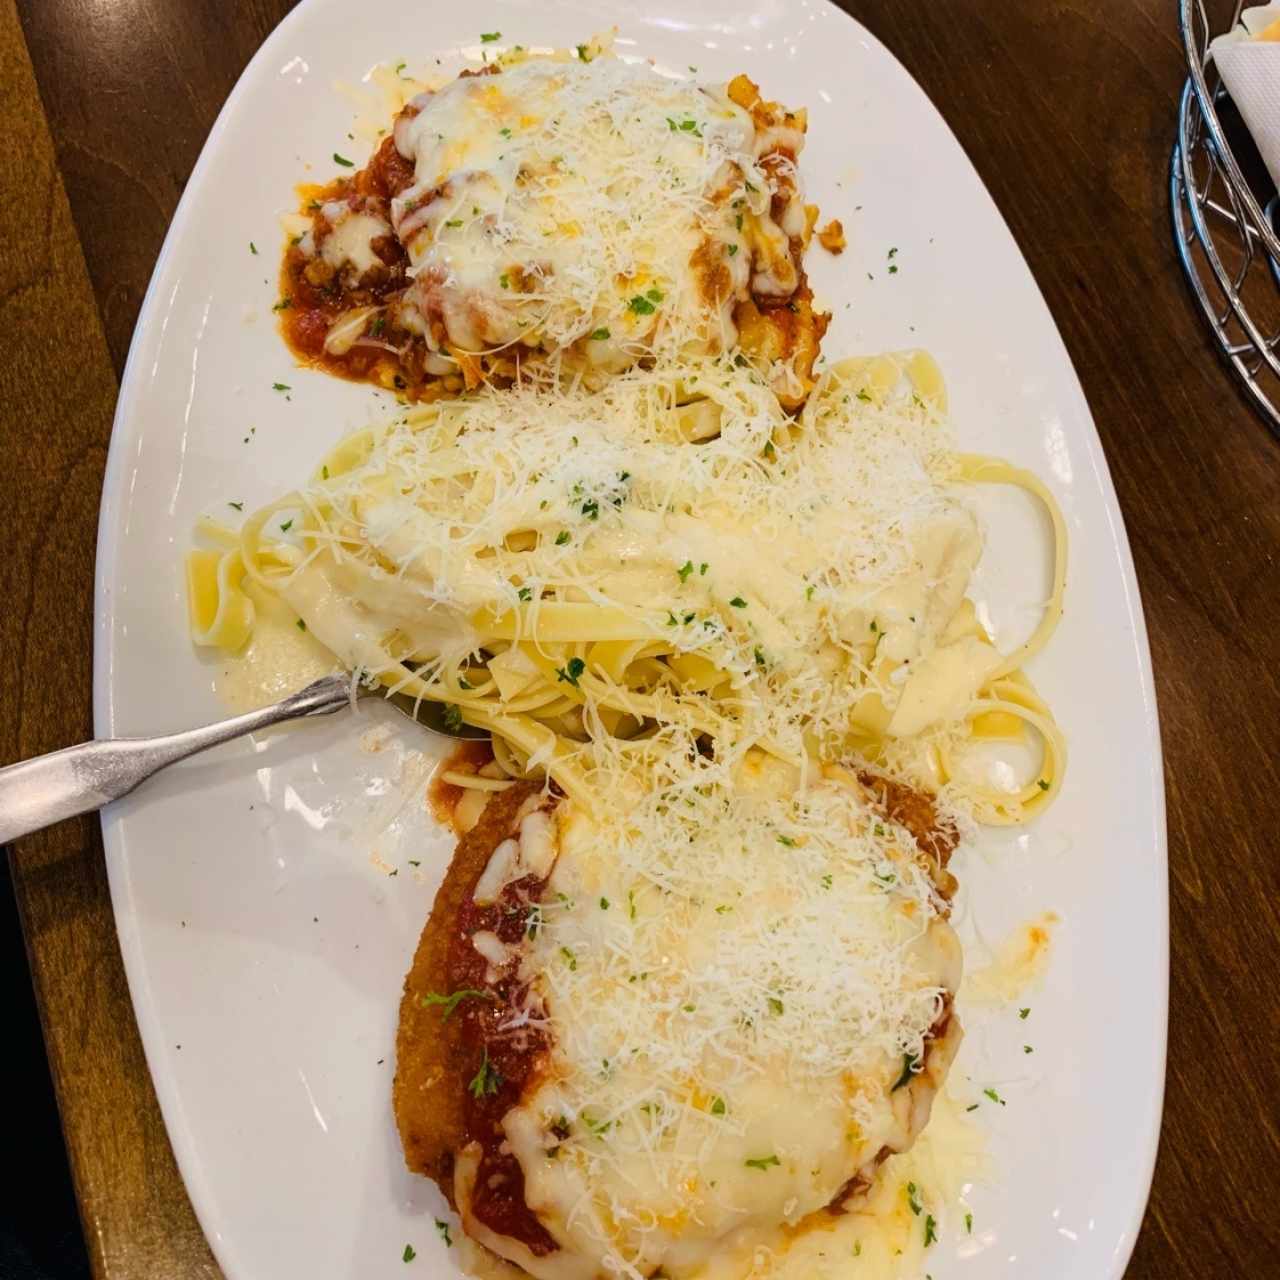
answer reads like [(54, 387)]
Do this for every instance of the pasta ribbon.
[(221, 614)]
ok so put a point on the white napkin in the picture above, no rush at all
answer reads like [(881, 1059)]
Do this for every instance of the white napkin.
[(1250, 70)]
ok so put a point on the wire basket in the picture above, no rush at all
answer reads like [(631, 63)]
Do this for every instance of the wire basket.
[(1223, 204)]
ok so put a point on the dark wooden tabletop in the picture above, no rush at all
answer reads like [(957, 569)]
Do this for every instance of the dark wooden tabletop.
[(1067, 108)]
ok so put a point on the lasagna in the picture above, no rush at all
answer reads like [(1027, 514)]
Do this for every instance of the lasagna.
[(630, 1046), (571, 216)]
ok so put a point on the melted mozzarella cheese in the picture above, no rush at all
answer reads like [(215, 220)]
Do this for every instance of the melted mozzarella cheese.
[(734, 979), (350, 242), (597, 204)]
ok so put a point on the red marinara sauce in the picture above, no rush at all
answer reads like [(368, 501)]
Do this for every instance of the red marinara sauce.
[(313, 294), (505, 1061)]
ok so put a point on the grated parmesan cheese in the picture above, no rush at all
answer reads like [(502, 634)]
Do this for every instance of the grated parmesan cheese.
[(809, 579), (750, 970)]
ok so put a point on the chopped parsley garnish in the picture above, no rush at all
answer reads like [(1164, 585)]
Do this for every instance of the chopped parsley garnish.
[(281, 386), (506, 133), (288, 524), (717, 1106), (994, 1096), (343, 161), (599, 335), (909, 1061), (487, 1081), (1024, 1014), (687, 125), (685, 570), (450, 1002), (1042, 784), (452, 718), (302, 626), (253, 248), (488, 37), (738, 602), (826, 881), (582, 53), (570, 672), (893, 253), (239, 506), (409, 1252), (1026, 1048), (504, 281), (733, 250), (400, 66), (930, 1230), (913, 1198), (762, 1162), (702, 568), (788, 841), (443, 1229), (808, 592), (525, 593), (598, 1127), (454, 222), (641, 306), (973, 1106), (968, 1223), (562, 537), (604, 904), (893, 269), (324, 473), (591, 509), (631, 903), (775, 1005), (760, 658), (569, 958)]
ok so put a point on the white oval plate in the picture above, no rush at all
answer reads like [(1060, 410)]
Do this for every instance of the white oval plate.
[(264, 939)]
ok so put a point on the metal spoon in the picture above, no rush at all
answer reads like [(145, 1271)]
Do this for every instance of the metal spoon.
[(36, 793)]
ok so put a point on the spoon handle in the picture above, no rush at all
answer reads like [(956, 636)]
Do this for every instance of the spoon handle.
[(36, 793)]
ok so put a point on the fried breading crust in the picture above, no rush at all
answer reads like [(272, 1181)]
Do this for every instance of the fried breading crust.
[(936, 837), (429, 1093)]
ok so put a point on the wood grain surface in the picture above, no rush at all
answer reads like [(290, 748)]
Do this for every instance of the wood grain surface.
[(1067, 109)]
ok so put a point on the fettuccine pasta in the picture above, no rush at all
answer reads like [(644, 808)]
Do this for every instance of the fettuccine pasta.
[(608, 581)]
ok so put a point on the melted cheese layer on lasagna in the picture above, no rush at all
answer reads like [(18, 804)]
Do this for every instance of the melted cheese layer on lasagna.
[(583, 214)]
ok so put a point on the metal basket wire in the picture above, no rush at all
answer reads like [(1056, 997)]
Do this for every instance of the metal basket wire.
[(1226, 239)]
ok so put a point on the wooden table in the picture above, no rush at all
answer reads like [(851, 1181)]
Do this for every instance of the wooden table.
[(1067, 109)]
